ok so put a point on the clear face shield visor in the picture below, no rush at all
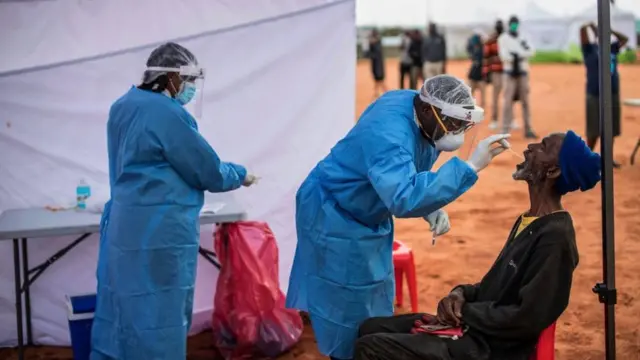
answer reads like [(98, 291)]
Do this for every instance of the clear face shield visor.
[(191, 91), (466, 120), (458, 124), (457, 119)]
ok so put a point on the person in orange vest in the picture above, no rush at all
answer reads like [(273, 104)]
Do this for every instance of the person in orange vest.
[(492, 71)]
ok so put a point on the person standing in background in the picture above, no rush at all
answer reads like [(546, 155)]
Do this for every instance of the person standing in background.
[(377, 62), (492, 71), (405, 59), (475, 51), (591, 62), (434, 53), (415, 52), (515, 52)]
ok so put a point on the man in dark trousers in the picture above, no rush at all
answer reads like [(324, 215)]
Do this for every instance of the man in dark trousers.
[(591, 62), (405, 60), (434, 53), (415, 53), (526, 289)]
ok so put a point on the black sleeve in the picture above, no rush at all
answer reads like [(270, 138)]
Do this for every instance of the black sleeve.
[(469, 291), (542, 298)]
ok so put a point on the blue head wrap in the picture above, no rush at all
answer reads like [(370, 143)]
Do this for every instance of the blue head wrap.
[(579, 166)]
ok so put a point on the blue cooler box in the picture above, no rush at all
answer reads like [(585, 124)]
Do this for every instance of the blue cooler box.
[(81, 309)]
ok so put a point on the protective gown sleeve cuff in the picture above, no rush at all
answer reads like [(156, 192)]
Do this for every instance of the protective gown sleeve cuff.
[(241, 171), (468, 291), (469, 173)]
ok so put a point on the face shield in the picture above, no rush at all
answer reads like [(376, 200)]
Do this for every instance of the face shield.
[(459, 125), (190, 93), (455, 122)]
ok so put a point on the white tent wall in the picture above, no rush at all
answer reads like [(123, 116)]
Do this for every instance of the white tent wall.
[(549, 34), (621, 20), (559, 34), (279, 93), (533, 18)]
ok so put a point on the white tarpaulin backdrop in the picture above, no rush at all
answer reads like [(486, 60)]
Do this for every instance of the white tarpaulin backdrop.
[(279, 93), (553, 33)]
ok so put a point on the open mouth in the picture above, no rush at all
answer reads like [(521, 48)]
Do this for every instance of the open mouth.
[(526, 158)]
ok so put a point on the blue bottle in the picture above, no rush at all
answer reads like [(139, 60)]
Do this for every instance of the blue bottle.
[(83, 192)]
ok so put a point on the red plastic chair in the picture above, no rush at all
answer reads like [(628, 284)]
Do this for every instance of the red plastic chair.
[(403, 264), (545, 349)]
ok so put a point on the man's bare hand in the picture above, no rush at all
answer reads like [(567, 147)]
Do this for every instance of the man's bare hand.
[(250, 180), (450, 308)]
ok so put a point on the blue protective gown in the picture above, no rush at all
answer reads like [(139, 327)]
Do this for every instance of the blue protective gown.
[(343, 271), (159, 168)]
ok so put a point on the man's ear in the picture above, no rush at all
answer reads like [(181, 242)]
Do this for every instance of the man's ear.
[(425, 110), (553, 173)]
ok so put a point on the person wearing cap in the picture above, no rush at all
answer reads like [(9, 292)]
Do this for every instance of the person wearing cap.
[(342, 272), (527, 288), (159, 168)]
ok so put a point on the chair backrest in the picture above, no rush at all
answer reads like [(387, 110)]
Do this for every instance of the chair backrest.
[(545, 349), (400, 248)]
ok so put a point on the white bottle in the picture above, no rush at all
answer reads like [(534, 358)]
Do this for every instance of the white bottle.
[(83, 192)]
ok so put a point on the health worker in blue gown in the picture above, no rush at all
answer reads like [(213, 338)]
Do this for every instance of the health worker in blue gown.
[(159, 168), (343, 272)]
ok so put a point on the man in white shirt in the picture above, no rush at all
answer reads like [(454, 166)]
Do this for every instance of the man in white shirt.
[(515, 51)]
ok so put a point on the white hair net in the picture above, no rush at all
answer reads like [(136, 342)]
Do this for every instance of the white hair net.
[(445, 90), (169, 55)]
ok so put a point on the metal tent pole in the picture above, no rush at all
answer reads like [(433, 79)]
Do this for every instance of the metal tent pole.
[(607, 290)]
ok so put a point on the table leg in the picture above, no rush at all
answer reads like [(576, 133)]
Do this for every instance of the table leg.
[(210, 256), (38, 270), (26, 289), (18, 281)]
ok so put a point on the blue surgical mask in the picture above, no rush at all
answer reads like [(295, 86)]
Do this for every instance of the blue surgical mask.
[(186, 93)]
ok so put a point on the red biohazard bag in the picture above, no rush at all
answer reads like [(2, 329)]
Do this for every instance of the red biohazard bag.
[(249, 317)]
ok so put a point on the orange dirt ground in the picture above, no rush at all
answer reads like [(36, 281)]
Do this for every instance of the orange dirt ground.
[(482, 218)]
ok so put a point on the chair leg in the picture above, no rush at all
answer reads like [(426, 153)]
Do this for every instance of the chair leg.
[(399, 272), (413, 286)]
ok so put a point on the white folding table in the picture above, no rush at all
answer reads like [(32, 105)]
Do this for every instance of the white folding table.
[(20, 225)]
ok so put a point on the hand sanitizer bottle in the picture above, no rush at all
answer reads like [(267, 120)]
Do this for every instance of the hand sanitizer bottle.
[(83, 192)]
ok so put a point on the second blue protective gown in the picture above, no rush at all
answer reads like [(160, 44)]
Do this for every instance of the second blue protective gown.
[(342, 272), (159, 168)]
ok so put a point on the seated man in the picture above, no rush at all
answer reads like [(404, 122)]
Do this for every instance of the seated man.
[(526, 289)]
